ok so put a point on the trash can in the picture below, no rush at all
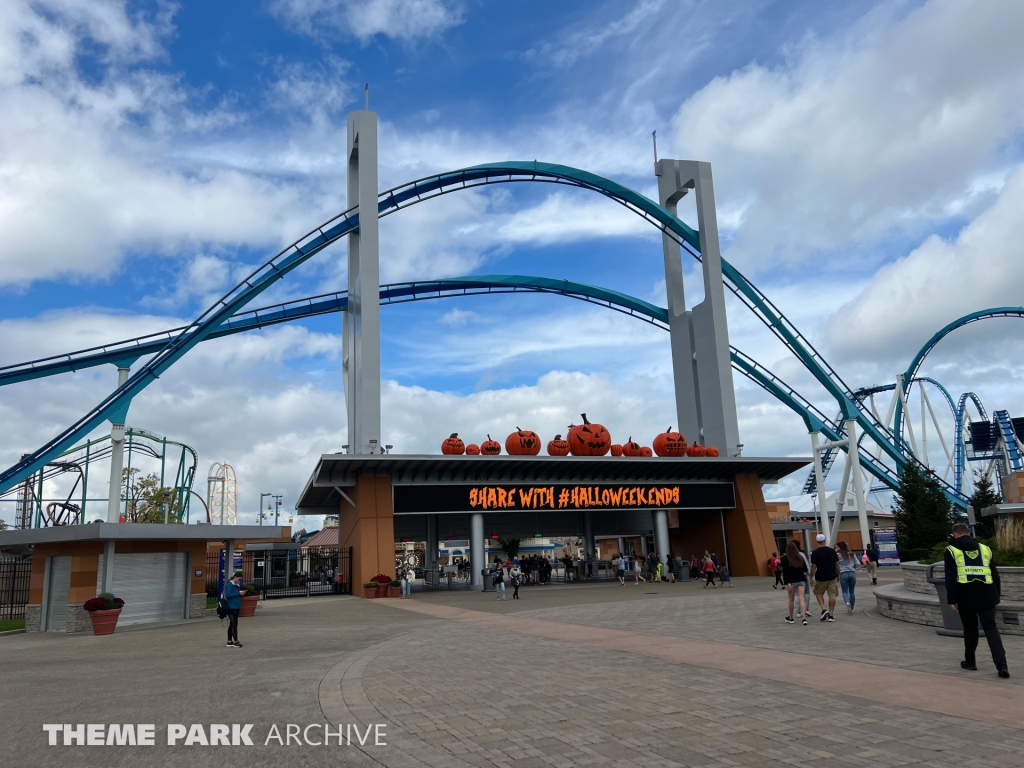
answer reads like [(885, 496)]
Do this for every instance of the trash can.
[(486, 573), (952, 626)]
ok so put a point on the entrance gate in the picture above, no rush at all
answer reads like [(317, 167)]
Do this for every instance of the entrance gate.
[(312, 572)]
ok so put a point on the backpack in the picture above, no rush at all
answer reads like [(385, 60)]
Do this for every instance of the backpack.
[(222, 608), (495, 577)]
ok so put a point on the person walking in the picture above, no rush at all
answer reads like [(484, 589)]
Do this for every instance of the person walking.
[(657, 567), (825, 577), (709, 571), (233, 595), (973, 589), (638, 567), (794, 576), (805, 609), (620, 569), (725, 575), (694, 567), (847, 575), (498, 580), (670, 574), (590, 566), (871, 553), (408, 576), (775, 567), (516, 577)]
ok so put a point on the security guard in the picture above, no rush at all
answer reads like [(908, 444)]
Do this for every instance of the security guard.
[(973, 590)]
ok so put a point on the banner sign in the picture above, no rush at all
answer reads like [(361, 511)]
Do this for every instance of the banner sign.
[(412, 499), (885, 542)]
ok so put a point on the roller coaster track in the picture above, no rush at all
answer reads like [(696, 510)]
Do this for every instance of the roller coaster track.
[(115, 406)]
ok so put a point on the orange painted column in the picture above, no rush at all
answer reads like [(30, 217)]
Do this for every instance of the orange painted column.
[(369, 528), (749, 529)]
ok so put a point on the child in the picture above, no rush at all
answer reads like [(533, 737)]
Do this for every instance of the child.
[(726, 576)]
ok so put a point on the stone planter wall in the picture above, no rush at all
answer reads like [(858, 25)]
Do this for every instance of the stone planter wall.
[(197, 605), (914, 579)]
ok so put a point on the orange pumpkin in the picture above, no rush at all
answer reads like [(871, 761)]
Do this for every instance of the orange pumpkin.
[(522, 443), (646, 452), (711, 451), (670, 443), (490, 447), (558, 446), (616, 449), (472, 449), (629, 448), (453, 446), (589, 439), (695, 450)]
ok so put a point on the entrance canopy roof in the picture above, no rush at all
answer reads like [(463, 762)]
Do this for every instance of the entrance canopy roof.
[(336, 471)]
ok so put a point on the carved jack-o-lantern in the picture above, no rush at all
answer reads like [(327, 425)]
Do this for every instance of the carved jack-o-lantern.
[(453, 446), (522, 442), (472, 449), (629, 448), (695, 450), (490, 447), (589, 439), (670, 443), (711, 451), (646, 451), (616, 449), (558, 447)]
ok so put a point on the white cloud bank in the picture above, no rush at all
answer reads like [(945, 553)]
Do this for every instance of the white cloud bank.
[(406, 20)]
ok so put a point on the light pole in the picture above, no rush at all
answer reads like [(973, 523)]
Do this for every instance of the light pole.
[(260, 514), (277, 507)]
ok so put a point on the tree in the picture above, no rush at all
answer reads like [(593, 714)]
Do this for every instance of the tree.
[(3, 525), (984, 496), (923, 514), (145, 501), (510, 547)]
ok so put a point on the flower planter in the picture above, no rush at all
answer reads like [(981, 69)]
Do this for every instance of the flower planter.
[(382, 589), (103, 622), (371, 593), (248, 608), (394, 591)]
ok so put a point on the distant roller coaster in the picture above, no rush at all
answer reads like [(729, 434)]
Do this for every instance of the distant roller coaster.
[(881, 449)]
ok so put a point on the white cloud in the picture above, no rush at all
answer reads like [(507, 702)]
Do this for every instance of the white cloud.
[(851, 140), (364, 19)]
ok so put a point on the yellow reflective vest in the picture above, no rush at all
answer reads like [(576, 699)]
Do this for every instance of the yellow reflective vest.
[(972, 564)]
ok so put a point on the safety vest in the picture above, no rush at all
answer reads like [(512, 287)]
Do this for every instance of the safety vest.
[(972, 565)]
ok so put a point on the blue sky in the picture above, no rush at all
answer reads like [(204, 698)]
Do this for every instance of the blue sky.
[(867, 170)]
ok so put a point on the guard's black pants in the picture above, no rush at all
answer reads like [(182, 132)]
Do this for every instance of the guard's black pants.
[(970, 617), (233, 626)]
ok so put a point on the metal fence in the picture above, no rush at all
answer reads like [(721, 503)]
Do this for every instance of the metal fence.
[(15, 576), (286, 573)]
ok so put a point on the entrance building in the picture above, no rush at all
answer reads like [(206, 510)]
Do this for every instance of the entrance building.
[(686, 504)]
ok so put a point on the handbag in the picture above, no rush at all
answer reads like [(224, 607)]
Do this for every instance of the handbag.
[(222, 608)]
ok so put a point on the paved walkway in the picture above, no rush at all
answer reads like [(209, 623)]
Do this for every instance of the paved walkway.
[(668, 675)]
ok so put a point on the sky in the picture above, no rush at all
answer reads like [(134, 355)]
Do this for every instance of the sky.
[(868, 167)]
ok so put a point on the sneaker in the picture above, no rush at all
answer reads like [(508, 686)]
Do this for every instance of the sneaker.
[(804, 622), (969, 665), (229, 644), (789, 620), (824, 616), (849, 609), (1004, 673), (830, 618)]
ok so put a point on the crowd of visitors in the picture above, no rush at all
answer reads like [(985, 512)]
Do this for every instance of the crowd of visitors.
[(829, 572)]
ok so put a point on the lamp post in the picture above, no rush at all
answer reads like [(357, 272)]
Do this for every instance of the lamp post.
[(259, 513)]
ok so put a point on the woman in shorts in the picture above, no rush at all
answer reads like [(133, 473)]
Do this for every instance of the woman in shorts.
[(794, 575)]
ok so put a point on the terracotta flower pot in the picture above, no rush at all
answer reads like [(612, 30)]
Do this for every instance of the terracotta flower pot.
[(382, 589), (248, 608), (371, 593), (103, 622), (394, 591)]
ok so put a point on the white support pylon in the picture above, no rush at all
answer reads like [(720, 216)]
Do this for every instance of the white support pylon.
[(819, 479), (853, 458), (116, 458)]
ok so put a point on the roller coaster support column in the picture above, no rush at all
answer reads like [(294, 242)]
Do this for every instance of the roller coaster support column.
[(819, 482), (853, 458), (117, 455), (361, 323), (701, 365)]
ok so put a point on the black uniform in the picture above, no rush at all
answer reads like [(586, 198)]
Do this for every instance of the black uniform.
[(975, 601)]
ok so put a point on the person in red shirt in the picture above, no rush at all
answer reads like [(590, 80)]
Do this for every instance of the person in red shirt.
[(775, 566)]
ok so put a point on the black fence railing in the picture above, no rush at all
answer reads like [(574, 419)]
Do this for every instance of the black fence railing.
[(15, 576), (286, 573)]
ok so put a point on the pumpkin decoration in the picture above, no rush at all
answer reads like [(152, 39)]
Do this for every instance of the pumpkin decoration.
[(490, 447), (522, 443), (453, 446), (472, 449), (629, 448), (589, 439), (695, 450), (711, 451), (558, 446), (646, 452), (616, 449), (670, 443)]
